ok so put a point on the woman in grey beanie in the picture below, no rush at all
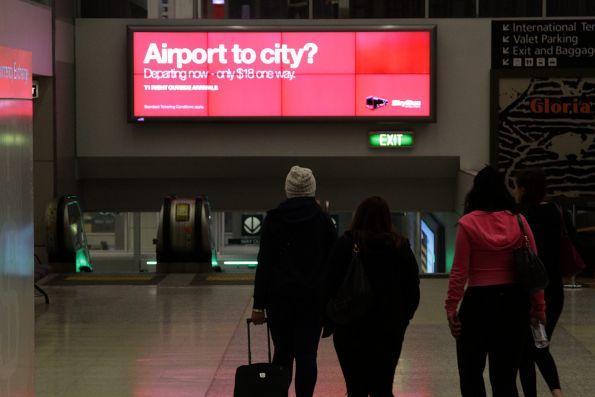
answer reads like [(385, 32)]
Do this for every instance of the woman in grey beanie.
[(296, 239)]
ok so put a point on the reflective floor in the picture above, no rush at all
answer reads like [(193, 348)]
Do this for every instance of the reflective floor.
[(175, 340)]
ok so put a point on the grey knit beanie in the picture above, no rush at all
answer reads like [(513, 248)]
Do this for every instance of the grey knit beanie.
[(300, 182)]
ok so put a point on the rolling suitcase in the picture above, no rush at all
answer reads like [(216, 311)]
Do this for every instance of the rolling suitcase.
[(261, 379)]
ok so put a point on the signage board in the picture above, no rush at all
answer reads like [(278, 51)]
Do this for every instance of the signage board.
[(15, 73), (337, 72), (559, 43), (547, 122), (243, 241), (35, 89), (390, 139), (252, 225)]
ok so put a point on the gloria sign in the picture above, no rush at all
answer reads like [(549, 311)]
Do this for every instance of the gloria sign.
[(547, 122), (15, 73), (384, 73)]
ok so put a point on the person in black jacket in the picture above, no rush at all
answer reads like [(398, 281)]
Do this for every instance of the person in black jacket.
[(546, 223), (295, 243), (369, 349)]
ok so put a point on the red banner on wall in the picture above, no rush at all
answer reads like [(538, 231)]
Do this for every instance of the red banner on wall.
[(15, 73), (281, 74)]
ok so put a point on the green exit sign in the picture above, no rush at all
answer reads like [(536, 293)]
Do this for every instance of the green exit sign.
[(386, 139)]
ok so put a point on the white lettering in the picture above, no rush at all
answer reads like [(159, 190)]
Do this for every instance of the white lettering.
[(184, 56), (408, 104)]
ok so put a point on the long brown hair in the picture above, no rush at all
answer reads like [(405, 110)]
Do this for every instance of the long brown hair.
[(533, 180), (372, 218)]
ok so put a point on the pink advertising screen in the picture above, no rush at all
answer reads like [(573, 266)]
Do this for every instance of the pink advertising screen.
[(15, 73), (371, 74)]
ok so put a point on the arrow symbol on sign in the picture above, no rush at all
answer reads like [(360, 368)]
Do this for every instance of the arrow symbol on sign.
[(252, 225), (506, 39), (506, 28), (505, 62), (505, 50)]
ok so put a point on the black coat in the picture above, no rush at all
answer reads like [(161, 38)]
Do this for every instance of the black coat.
[(392, 271), (295, 243)]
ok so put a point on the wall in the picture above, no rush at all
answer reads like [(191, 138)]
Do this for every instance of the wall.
[(28, 26), (463, 107), (104, 136), (64, 99), (54, 120)]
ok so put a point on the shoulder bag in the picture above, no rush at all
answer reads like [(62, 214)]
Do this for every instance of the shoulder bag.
[(530, 271), (353, 297)]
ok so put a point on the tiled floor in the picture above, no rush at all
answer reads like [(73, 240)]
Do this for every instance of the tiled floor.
[(173, 340)]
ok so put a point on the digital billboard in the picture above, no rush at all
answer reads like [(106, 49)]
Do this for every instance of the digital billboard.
[(376, 73)]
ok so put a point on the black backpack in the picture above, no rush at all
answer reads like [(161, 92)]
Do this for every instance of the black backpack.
[(354, 296)]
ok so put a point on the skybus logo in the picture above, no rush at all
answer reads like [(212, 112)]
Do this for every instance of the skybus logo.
[(407, 104)]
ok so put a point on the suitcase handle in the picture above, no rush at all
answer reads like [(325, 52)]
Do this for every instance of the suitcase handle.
[(248, 321)]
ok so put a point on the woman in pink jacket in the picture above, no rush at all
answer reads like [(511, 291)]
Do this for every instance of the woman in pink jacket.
[(495, 311)]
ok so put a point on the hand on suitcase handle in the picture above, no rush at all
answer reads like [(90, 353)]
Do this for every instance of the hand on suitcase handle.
[(258, 317)]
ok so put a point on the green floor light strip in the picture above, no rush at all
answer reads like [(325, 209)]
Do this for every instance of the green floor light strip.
[(151, 263), (240, 263)]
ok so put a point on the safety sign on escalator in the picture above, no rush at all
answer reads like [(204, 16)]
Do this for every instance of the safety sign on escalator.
[(251, 224)]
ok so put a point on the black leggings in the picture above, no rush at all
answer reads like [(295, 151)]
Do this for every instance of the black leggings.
[(295, 337), (368, 356), (543, 357), (494, 321)]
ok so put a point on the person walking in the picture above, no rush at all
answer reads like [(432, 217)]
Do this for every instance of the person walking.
[(495, 310), (296, 239), (369, 349), (545, 220)]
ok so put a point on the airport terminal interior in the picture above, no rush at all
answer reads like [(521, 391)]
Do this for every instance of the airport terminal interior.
[(142, 143)]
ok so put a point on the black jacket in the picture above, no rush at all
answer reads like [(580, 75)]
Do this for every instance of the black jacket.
[(392, 271), (295, 243)]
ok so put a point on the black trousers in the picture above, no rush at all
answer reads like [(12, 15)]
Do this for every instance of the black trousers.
[(554, 298), (494, 322), (295, 331), (368, 356)]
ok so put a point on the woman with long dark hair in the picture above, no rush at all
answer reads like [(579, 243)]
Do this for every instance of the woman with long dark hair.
[(369, 349), (494, 314), (545, 220)]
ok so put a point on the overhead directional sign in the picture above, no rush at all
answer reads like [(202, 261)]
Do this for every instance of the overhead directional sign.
[(560, 43), (251, 225)]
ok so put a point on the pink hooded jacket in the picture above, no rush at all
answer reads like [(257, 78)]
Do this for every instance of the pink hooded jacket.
[(483, 256)]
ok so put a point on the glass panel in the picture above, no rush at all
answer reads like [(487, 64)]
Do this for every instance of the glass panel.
[(113, 8), (44, 2), (452, 8), (564, 8), (107, 231), (510, 8), (257, 9), (387, 9), (326, 9)]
